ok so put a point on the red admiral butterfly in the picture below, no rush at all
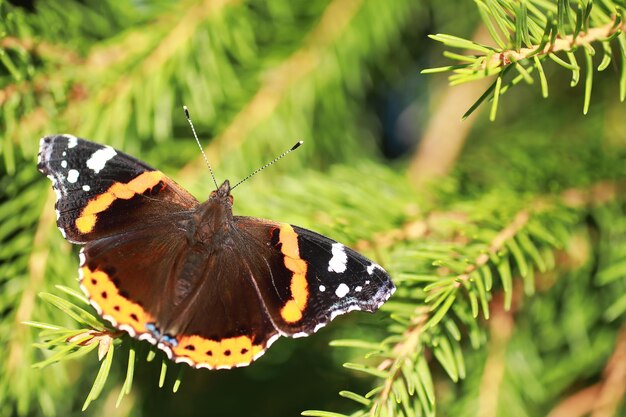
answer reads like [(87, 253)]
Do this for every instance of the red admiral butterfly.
[(208, 288)]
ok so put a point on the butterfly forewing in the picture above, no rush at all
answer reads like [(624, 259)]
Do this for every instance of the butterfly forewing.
[(90, 179), (307, 279)]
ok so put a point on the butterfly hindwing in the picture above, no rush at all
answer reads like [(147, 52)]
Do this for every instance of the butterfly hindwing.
[(306, 279), (198, 306), (90, 179)]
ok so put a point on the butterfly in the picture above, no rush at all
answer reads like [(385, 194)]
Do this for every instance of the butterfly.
[(210, 289)]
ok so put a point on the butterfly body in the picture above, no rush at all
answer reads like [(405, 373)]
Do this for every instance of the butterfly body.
[(209, 288)]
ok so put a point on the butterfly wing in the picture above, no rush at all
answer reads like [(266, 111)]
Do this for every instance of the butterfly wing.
[(306, 279), (102, 191), (199, 305)]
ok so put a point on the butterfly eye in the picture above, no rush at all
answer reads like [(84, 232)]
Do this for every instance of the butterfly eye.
[(231, 199)]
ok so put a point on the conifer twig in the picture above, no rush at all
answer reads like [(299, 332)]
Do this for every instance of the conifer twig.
[(596, 194), (566, 43), (403, 350)]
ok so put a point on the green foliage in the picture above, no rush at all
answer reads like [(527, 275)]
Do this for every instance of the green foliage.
[(526, 34), (511, 271)]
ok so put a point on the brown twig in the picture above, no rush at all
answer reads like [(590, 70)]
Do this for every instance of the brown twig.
[(566, 43), (402, 350), (445, 134), (501, 326), (603, 398)]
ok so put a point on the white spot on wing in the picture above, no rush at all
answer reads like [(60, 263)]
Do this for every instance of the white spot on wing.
[(258, 355), (358, 289), (183, 359), (339, 260), (335, 314), (148, 337), (165, 349), (371, 267), (72, 176), (319, 326), (270, 341), (86, 188), (109, 319), (299, 334), (322, 288), (98, 309), (99, 159), (71, 141), (342, 290), (127, 329), (64, 164)]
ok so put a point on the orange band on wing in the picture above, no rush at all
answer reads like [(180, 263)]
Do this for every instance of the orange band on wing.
[(138, 185), (217, 353), (105, 295), (294, 307)]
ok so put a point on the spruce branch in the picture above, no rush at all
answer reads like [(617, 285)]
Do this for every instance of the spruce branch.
[(526, 35), (566, 43), (431, 307)]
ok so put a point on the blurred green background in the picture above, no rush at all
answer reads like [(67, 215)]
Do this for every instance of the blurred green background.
[(344, 76)]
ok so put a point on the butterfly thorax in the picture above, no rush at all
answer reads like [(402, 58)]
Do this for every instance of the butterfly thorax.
[(213, 219)]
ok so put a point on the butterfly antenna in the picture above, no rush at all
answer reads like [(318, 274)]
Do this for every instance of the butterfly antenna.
[(293, 148), (199, 145)]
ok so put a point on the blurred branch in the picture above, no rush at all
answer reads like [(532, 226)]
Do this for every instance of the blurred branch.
[(446, 132), (278, 81), (501, 327), (604, 398), (36, 266)]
